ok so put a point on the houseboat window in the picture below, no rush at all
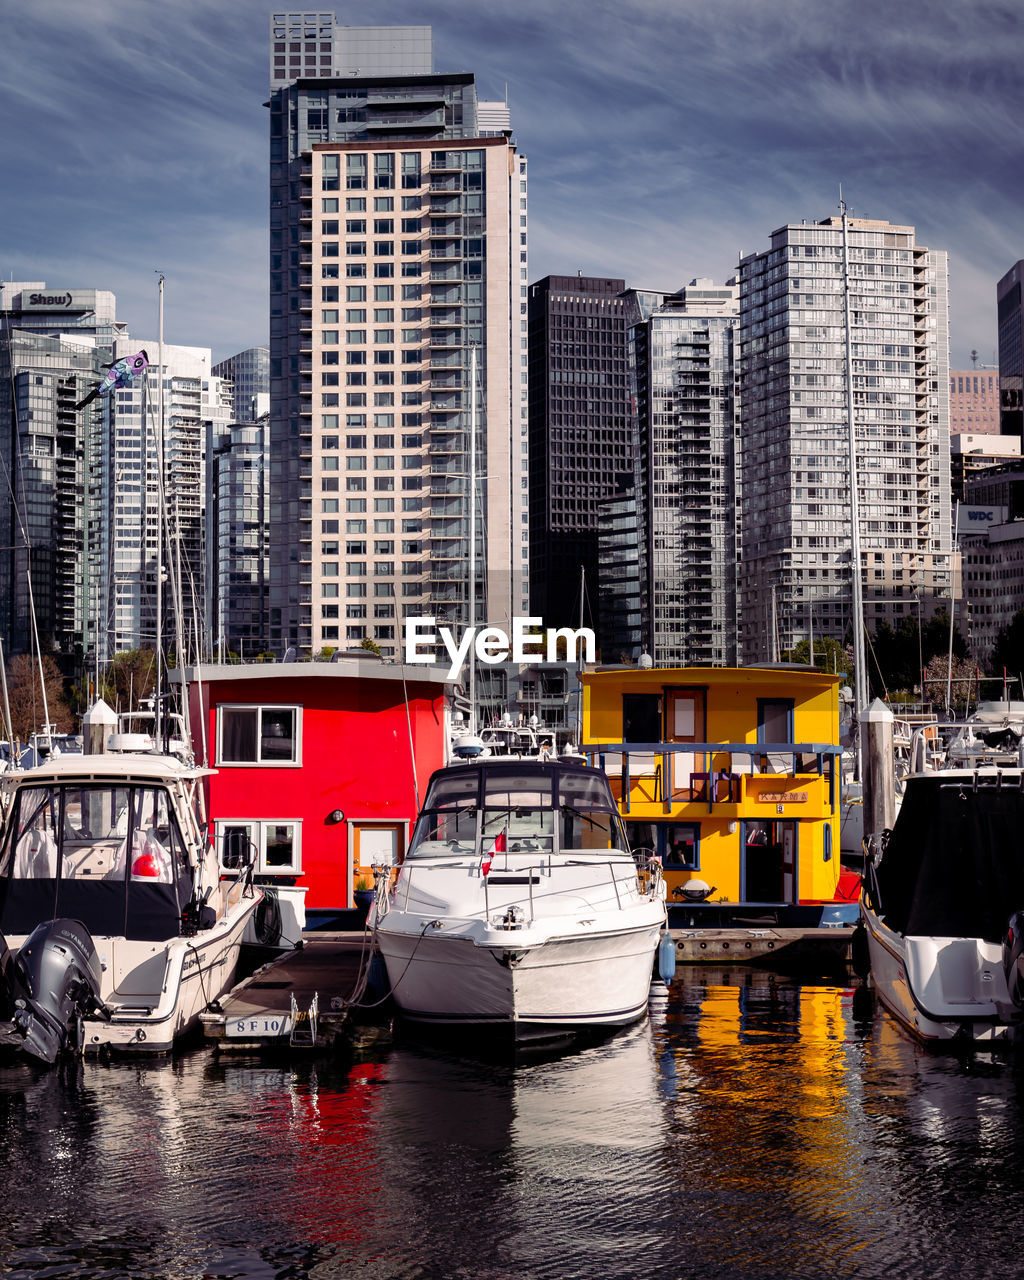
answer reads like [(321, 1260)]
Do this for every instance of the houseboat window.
[(682, 845), (259, 735), (272, 847), (280, 847), (641, 717), (775, 719), (677, 844)]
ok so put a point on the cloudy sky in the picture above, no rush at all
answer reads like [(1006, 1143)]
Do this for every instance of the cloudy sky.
[(664, 138)]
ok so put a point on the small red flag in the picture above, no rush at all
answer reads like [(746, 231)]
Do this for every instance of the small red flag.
[(498, 847)]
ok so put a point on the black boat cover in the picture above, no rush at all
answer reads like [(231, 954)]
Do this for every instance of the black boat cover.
[(954, 864)]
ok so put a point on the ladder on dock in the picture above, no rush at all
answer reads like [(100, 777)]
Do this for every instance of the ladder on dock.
[(304, 1024)]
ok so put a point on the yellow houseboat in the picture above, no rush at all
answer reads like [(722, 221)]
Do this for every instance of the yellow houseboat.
[(729, 774)]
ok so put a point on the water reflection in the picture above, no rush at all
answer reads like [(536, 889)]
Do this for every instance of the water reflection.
[(757, 1127)]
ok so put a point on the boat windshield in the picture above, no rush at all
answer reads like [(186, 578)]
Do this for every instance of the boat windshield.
[(96, 852), (529, 811)]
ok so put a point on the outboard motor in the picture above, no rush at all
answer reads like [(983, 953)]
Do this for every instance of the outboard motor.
[(1013, 950), (49, 987)]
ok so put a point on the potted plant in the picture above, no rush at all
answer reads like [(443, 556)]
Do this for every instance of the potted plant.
[(363, 894)]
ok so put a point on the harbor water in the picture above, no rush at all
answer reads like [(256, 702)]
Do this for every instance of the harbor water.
[(756, 1126)]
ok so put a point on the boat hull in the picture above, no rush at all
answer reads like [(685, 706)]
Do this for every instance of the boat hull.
[(590, 981), (163, 988), (941, 990)]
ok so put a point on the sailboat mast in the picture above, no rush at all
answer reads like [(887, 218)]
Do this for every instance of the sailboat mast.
[(158, 699), (857, 602), (472, 536)]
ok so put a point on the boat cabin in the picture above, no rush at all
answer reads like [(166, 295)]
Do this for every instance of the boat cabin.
[(730, 775), (97, 844)]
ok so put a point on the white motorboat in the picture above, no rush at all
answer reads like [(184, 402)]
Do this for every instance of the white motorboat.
[(941, 905), (519, 906), (116, 928)]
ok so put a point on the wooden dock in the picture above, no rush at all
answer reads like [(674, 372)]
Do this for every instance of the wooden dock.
[(299, 1001), (817, 950)]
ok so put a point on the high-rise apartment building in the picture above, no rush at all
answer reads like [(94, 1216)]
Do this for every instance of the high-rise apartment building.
[(398, 264), (580, 437), (249, 375), (796, 529), (1010, 307), (54, 346), (683, 362), (155, 525)]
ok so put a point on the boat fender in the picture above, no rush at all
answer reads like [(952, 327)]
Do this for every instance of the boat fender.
[(1013, 948), (667, 958), (267, 921), (860, 956)]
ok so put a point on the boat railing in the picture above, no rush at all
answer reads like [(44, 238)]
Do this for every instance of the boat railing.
[(713, 773)]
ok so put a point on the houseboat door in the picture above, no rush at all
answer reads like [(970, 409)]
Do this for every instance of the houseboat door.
[(769, 861)]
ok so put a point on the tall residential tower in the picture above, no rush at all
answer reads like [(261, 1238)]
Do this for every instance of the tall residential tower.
[(398, 264), (796, 530)]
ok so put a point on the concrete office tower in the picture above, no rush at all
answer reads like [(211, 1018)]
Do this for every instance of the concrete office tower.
[(684, 367), (237, 537), (398, 248), (151, 508), (1011, 351), (54, 346), (580, 438), (796, 534), (973, 401), (249, 374)]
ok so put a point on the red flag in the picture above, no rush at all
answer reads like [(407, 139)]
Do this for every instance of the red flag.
[(498, 847)]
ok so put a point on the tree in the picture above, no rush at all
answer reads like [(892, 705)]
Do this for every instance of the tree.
[(130, 676), (25, 692), (372, 645), (935, 638), (829, 655), (963, 687)]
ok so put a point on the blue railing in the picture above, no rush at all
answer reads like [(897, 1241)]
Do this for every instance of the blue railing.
[(788, 759)]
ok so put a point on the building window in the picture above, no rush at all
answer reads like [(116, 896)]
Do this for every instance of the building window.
[(259, 735), (273, 847)]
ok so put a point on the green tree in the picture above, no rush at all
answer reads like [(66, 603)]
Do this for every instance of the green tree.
[(130, 676), (829, 655), (372, 645), (935, 638)]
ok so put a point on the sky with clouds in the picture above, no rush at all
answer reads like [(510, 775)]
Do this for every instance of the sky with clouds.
[(664, 138)]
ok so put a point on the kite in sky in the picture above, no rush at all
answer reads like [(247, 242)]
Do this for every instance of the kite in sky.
[(119, 374)]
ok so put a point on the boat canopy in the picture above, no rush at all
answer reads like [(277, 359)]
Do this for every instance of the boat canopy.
[(953, 866), (111, 856)]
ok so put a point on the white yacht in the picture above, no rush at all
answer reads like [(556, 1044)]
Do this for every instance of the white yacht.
[(519, 906), (116, 928), (942, 907)]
